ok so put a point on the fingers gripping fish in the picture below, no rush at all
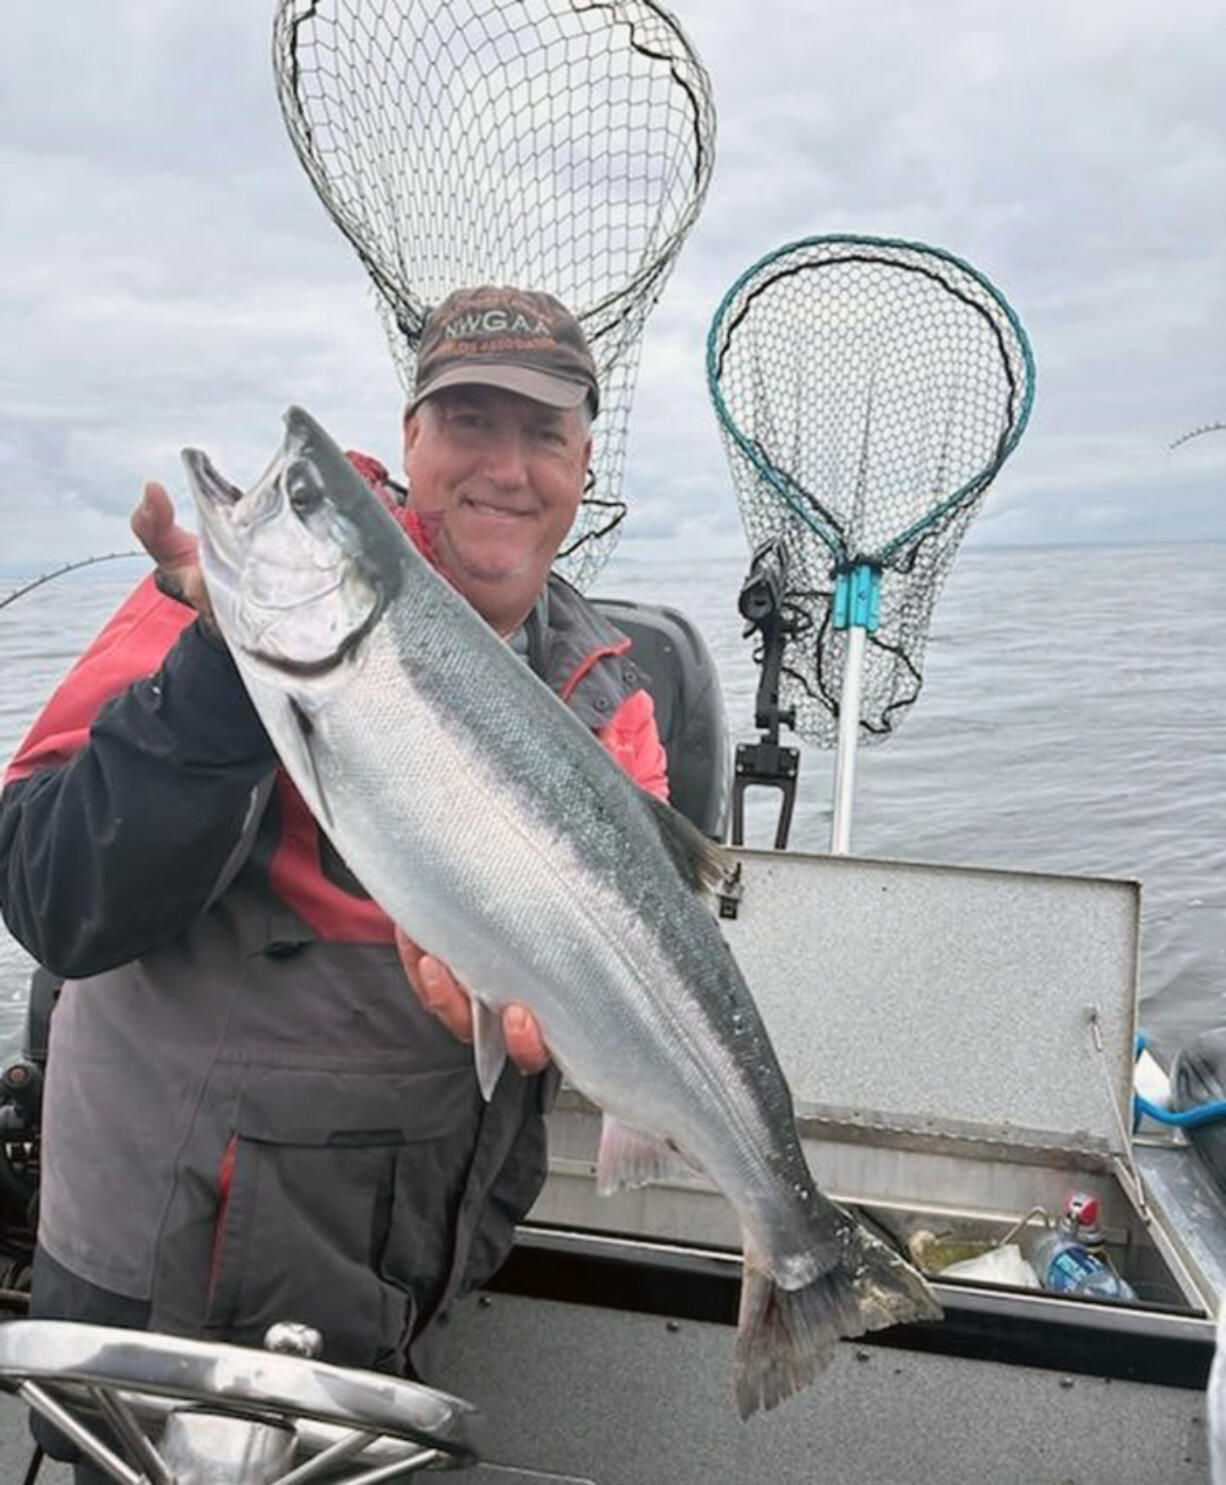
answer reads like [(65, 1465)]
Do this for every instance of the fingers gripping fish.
[(488, 822)]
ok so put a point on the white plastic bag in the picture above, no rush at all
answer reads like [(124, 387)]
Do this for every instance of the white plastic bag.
[(999, 1266)]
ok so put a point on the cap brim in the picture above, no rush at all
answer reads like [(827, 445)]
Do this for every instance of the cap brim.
[(538, 386)]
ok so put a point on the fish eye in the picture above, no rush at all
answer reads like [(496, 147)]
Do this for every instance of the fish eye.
[(303, 488)]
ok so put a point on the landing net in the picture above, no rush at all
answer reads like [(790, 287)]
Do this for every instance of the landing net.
[(867, 392), (563, 145)]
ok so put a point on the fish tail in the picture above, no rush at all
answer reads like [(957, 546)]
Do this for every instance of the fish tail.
[(786, 1337)]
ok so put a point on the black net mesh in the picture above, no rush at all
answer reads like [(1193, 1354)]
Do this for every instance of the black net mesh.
[(563, 145), (867, 393)]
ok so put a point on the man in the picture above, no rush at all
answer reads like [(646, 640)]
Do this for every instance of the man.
[(249, 1116)]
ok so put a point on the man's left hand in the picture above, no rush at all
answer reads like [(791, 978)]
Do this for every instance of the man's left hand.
[(173, 549)]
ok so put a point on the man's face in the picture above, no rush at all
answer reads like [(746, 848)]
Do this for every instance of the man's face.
[(504, 476)]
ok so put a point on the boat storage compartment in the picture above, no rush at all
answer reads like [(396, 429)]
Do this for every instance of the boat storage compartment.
[(959, 1045)]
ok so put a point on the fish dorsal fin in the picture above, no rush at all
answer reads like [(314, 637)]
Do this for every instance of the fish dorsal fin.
[(702, 862), (632, 1157), (489, 1047)]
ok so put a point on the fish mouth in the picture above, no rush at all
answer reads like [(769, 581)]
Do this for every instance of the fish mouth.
[(207, 484), (223, 530), (216, 500)]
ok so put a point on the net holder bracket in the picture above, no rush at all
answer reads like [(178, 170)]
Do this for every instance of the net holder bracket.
[(768, 763)]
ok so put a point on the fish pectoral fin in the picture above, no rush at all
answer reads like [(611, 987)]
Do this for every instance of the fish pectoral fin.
[(632, 1157), (702, 862), (302, 733), (489, 1047)]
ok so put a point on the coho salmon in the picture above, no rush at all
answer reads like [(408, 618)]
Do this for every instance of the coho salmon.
[(493, 827)]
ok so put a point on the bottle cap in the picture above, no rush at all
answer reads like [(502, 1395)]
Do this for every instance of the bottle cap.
[(1082, 1211)]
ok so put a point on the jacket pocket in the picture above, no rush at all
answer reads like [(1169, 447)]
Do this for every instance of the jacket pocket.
[(310, 1212)]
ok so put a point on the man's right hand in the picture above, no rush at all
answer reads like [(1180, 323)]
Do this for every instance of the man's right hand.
[(439, 992), (173, 550)]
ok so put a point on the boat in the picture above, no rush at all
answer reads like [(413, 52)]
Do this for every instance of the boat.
[(960, 1045)]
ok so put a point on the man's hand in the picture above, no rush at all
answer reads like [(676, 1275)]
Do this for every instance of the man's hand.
[(440, 994), (173, 550)]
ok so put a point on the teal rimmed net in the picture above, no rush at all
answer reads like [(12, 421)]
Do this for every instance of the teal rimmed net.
[(867, 391)]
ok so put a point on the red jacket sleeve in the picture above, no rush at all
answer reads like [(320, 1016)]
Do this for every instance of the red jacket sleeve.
[(126, 801), (634, 740), (132, 645)]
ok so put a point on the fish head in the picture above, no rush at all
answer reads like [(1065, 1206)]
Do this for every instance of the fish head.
[(300, 567)]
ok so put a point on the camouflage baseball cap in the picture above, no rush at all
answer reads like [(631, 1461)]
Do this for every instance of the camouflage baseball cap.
[(516, 339)]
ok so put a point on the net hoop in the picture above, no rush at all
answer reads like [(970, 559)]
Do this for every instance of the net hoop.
[(725, 321), (564, 145), (867, 391)]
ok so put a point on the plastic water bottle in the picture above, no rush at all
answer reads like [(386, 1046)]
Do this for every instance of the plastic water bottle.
[(1065, 1265)]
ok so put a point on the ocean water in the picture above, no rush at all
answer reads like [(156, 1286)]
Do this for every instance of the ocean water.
[(1072, 719)]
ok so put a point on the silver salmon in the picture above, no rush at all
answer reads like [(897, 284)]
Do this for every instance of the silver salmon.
[(489, 823)]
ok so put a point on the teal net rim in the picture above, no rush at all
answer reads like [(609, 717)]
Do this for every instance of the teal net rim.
[(753, 453)]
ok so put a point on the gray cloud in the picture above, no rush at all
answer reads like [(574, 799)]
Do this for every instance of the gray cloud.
[(169, 278)]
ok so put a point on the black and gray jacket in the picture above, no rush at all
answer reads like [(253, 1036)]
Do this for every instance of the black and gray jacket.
[(248, 1115)]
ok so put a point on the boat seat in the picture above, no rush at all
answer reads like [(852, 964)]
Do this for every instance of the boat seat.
[(680, 674)]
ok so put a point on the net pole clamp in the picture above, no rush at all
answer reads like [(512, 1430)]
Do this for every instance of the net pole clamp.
[(857, 596)]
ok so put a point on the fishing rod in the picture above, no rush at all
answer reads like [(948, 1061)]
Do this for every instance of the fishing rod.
[(67, 567), (1197, 433)]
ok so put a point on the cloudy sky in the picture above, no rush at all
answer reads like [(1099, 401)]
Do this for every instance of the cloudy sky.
[(168, 277)]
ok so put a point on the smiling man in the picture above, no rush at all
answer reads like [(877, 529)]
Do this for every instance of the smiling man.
[(497, 443), (249, 1117)]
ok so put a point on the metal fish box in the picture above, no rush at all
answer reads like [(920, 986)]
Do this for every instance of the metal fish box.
[(959, 1043)]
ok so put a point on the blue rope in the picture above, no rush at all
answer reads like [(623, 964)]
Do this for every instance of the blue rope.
[(1204, 1113)]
